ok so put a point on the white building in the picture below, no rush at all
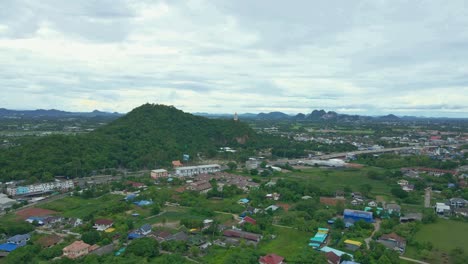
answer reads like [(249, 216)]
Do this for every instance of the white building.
[(40, 188), (159, 173), (5, 202), (195, 170)]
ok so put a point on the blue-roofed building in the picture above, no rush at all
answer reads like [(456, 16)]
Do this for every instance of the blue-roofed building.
[(8, 247), (19, 240), (130, 197), (243, 201), (356, 215), (134, 235), (337, 252), (145, 229), (143, 203)]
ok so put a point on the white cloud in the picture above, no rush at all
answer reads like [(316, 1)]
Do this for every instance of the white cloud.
[(364, 57)]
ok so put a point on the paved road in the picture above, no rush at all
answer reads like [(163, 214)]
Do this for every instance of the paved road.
[(414, 260)]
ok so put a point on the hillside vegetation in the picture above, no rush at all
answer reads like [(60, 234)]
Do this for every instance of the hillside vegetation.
[(148, 136)]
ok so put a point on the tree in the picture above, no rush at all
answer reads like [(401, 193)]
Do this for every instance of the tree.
[(254, 172), (91, 237), (232, 165), (339, 224), (155, 209), (143, 247), (365, 189)]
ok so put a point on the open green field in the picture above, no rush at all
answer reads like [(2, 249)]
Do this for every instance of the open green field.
[(334, 179), (287, 243), (79, 207), (445, 235)]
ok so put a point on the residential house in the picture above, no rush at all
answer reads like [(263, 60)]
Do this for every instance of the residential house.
[(408, 187), (243, 201), (271, 259), (402, 182), (242, 234), (5, 202), (372, 204), (461, 211), (102, 224), (144, 229), (340, 194), (159, 173), (249, 220), (411, 217), (273, 196), (332, 258), (104, 250), (393, 208), (457, 203), (160, 235), (272, 208), (442, 209), (393, 241), (75, 222), (76, 249), (180, 236), (201, 187), (352, 244), (19, 240), (357, 201), (176, 163)]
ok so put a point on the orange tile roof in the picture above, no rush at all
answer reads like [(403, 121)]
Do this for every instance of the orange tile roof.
[(76, 246)]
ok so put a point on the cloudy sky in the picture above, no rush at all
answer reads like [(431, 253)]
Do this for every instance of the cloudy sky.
[(366, 57)]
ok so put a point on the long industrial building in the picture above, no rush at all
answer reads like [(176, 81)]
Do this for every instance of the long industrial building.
[(195, 170)]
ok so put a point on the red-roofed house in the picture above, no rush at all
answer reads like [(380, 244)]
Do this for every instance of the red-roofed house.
[(249, 219), (176, 163), (332, 258), (102, 224), (76, 249), (136, 184), (271, 259)]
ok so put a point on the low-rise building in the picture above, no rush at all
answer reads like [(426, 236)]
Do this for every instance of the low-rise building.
[(60, 185), (271, 259), (191, 171), (5, 202), (242, 234), (102, 224), (393, 241), (159, 173), (76, 249)]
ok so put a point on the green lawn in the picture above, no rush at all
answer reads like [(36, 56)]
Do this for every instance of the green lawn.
[(79, 207), (334, 179), (287, 243), (445, 235)]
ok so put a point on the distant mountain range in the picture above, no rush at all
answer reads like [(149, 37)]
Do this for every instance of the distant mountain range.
[(52, 113), (324, 116), (315, 115)]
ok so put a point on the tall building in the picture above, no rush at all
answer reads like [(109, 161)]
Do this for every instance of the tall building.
[(427, 197), (236, 118)]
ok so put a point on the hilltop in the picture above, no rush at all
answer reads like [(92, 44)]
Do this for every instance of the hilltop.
[(148, 136)]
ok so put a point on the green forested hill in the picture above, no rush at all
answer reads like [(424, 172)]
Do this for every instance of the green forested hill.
[(148, 136)]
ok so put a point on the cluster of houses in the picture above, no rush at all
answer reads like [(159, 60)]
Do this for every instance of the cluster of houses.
[(453, 206), (201, 183)]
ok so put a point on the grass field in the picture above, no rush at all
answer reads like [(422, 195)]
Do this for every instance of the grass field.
[(445, 235), (334, 179), (78, 207), (287, 243)]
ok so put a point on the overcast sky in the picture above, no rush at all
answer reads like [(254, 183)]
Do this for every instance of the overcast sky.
[(366, 57)]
